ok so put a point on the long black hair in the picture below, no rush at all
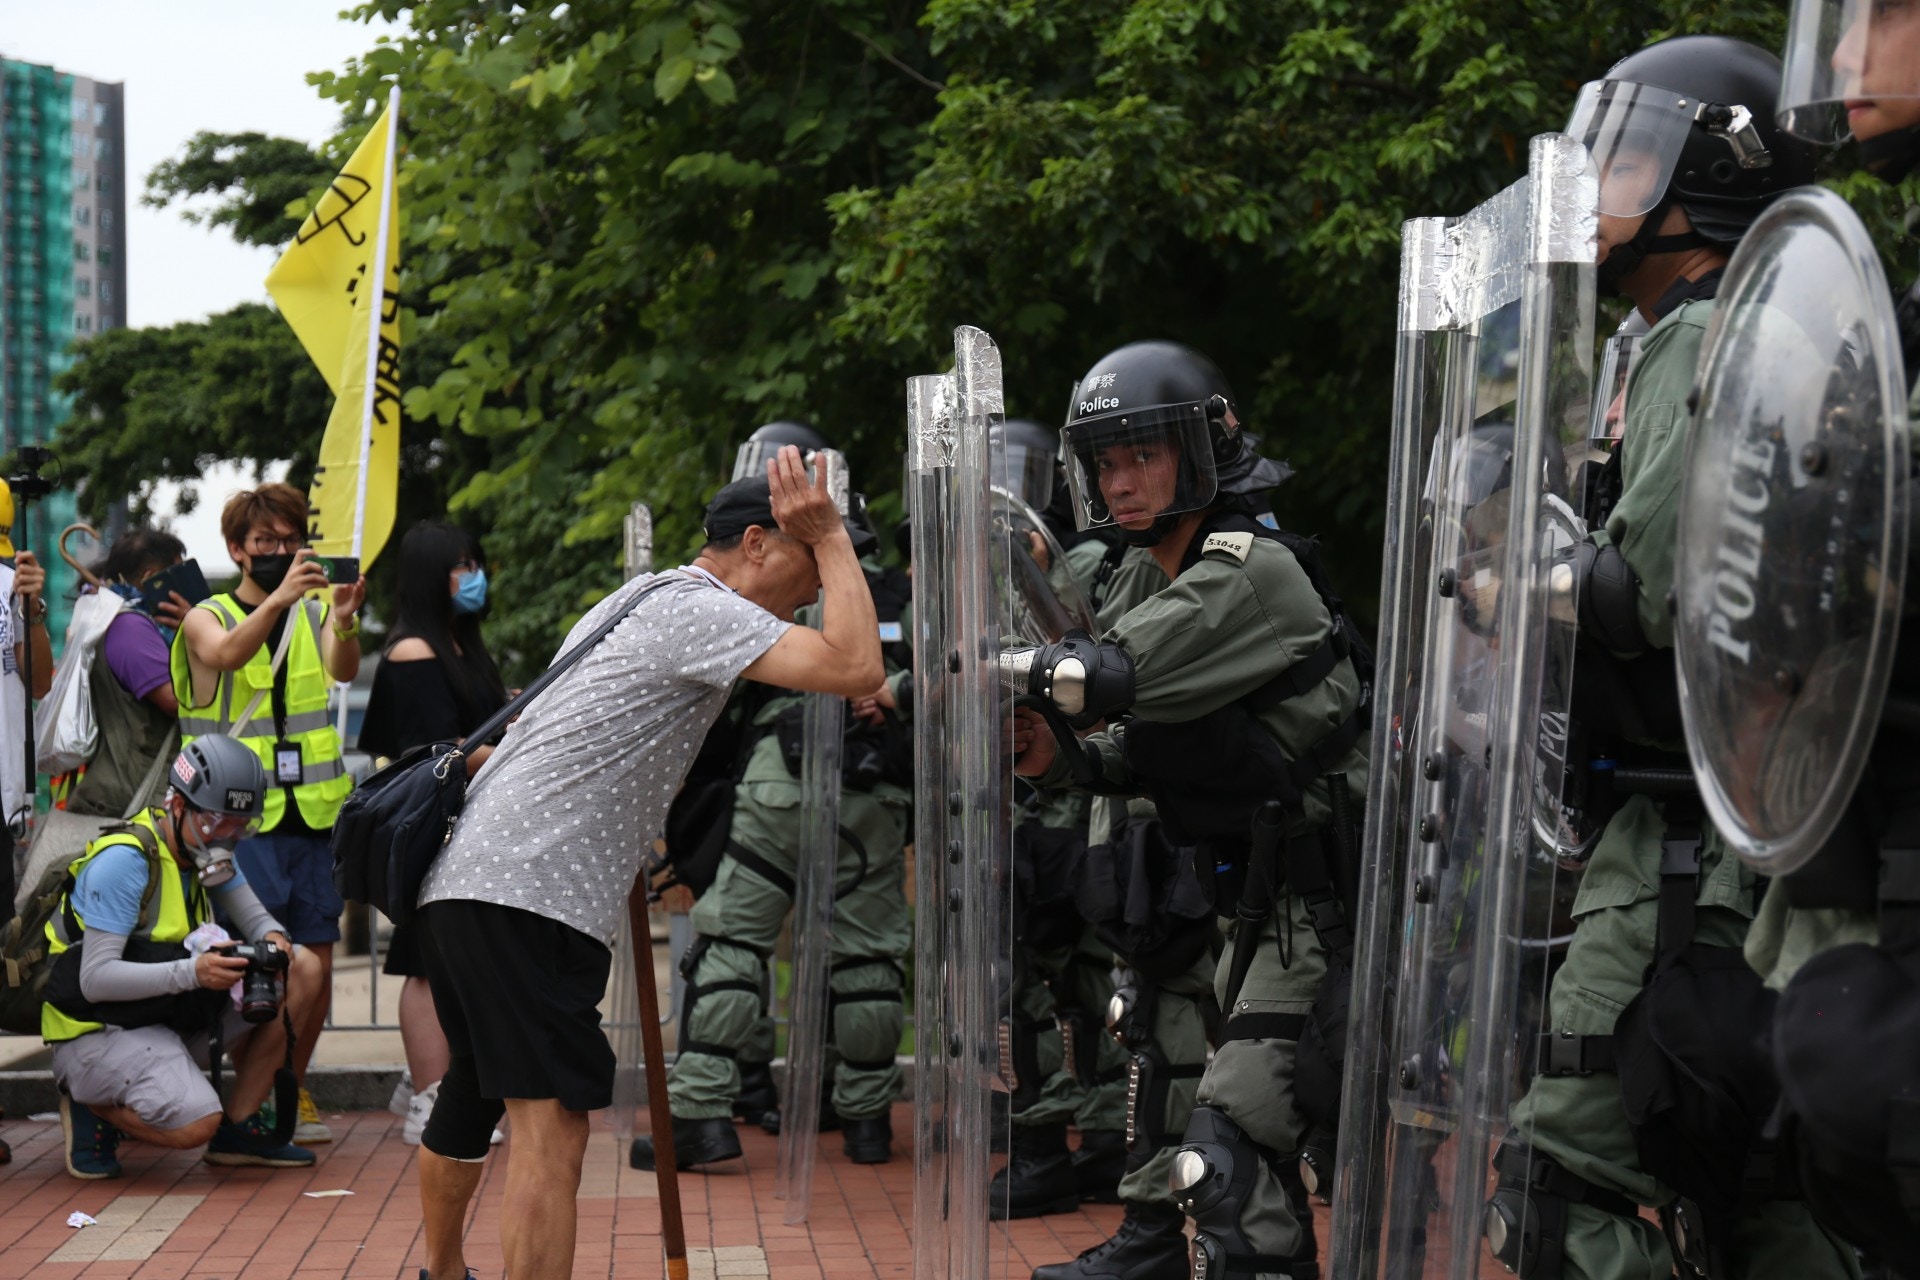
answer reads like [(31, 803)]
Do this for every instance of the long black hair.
[(430, 551)]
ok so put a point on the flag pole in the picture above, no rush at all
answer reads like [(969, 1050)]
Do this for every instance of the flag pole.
[(377, 301)]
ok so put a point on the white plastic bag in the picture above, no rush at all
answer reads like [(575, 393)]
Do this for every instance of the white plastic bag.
[(64, 732)]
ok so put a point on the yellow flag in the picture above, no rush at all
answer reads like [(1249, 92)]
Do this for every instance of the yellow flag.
[(323, 286)]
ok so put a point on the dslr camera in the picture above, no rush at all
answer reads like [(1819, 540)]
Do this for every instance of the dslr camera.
[(260, 985)]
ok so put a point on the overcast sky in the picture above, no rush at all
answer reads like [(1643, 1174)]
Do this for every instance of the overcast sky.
[(229, 66)]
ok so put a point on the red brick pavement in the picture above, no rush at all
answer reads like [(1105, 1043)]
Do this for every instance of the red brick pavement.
[(256, 1223)]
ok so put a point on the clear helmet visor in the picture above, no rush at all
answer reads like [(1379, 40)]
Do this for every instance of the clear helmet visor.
[(1610, 387), (751, 459), (1030, 473), (753, 456), (1635, 133), (1131, 466), (1863, 53)]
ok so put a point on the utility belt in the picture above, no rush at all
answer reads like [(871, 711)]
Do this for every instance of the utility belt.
[(1689, 1051)]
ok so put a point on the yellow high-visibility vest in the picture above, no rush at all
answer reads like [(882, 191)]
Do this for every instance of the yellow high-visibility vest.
[(174, 917), (324, 781)]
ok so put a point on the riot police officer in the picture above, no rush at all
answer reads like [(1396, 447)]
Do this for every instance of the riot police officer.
[(1682, 136), (1838, 933), (1234, 698), (1066, 1069), (726, 1036)]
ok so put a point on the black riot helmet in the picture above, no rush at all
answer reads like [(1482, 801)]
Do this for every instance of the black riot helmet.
[(1688, 121), (751, 460), (1173, 408)]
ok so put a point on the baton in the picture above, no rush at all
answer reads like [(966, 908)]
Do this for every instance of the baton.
[(1256, 895), (666, 1170)]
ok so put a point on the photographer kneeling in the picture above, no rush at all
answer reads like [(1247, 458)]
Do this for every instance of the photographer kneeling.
[(133, 1015)]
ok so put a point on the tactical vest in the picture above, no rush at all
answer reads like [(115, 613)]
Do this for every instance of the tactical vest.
[(294, 712), (168, 913), (1208, 776)]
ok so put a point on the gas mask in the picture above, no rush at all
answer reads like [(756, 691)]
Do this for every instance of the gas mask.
[(212, 859)]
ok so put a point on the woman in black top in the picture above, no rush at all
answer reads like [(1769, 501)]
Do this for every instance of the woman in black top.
[(436, 683)]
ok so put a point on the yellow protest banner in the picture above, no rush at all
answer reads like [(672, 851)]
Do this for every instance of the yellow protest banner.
[(324, 287)]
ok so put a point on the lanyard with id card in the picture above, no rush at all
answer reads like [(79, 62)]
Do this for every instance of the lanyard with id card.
[(286, 763)]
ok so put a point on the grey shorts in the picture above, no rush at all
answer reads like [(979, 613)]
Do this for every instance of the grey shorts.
[(151, 1071)]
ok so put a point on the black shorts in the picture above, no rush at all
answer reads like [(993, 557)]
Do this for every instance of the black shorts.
[(519, 998), (401, 959)]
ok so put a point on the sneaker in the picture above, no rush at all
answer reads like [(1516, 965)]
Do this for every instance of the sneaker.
[(92, 1144), (310, 1132), (420, 1108), (402, 1093), (252, 1143), (417, 1112)]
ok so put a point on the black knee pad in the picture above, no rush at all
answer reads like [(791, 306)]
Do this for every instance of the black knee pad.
[(1213, 1176), (1526, 1220), (462, 1124)]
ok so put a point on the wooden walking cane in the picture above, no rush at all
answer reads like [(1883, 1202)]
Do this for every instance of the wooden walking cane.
[(666, 1171)]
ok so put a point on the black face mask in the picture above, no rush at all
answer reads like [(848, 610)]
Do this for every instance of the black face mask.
[(268, 572)]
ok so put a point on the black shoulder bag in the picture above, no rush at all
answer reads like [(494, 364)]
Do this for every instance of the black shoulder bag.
[(394, 824)]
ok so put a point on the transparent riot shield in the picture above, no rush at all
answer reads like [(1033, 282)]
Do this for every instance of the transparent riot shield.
[(1456, 922), (936, 848), (963, 847), (623, 998), (822, 731), (1794, 511)]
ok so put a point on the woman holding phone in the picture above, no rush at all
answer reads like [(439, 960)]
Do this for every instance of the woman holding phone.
[(436, 682)]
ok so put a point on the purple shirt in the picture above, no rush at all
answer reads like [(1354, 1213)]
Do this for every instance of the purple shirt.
[(135, 653)]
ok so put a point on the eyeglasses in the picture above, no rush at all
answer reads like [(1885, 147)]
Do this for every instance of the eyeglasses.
[(262, 545)]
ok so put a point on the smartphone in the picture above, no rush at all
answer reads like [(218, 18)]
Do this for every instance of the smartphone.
[(341, 569), (184, 577)]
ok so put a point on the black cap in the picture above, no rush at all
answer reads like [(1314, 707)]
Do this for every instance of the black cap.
[(743, 502), (749, 501)]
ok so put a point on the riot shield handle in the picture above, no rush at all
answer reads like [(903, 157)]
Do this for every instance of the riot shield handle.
[(1064, 736)]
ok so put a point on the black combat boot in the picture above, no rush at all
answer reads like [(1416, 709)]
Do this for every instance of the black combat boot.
[(758, 1097), (869, 1139), (1099, 1165), (1151, 1244), (695, 1142), (1038, 1177), (769, 1119)]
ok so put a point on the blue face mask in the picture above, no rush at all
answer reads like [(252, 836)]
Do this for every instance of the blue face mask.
[(471, 595)]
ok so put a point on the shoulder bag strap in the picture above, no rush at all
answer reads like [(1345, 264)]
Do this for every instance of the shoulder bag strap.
[(169, 745), (504, 716), (279, 659)]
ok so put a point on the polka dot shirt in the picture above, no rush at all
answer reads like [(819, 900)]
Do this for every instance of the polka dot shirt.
[(557, 819)]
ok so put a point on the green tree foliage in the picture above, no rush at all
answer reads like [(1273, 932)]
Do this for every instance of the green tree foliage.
[(257, 177), (617, 225), (637, 228), (1231, 175), (166, 403)]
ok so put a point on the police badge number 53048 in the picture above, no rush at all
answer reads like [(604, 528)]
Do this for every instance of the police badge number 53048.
[(1793, 520)]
